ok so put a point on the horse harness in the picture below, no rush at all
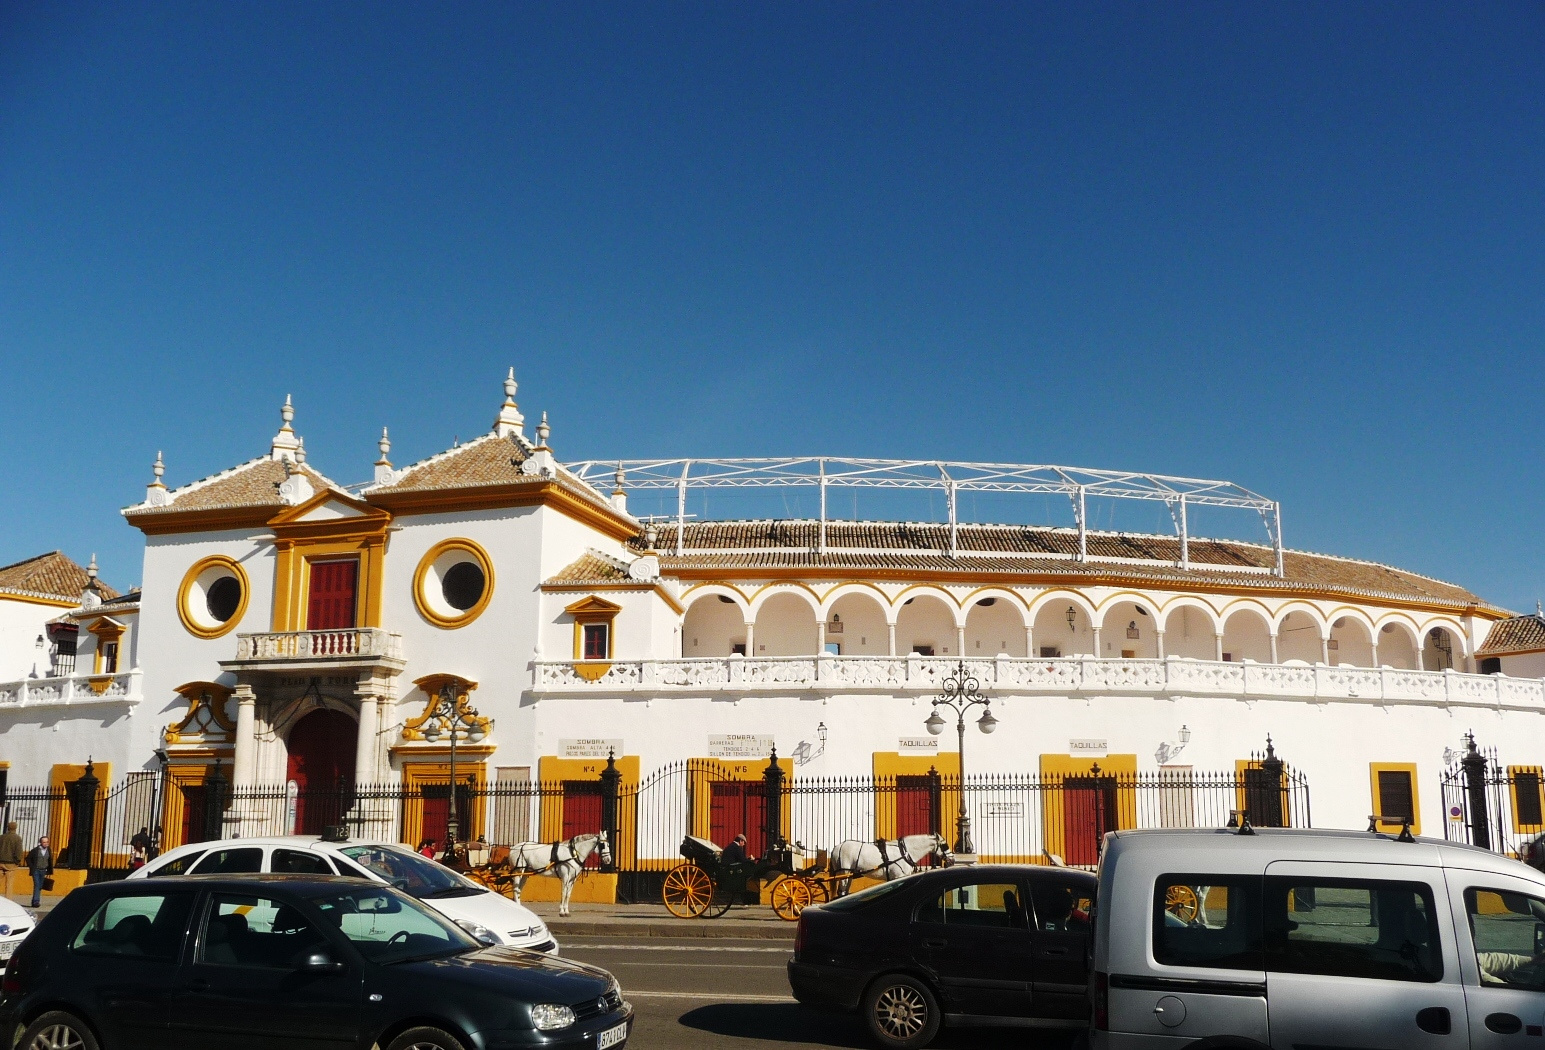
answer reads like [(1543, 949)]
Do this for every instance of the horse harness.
[(885, 861), (553, 859)]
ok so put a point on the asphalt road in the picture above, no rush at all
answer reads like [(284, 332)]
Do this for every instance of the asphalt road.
[(733, 995)]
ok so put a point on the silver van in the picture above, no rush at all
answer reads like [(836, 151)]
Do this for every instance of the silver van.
[(1249, 938)]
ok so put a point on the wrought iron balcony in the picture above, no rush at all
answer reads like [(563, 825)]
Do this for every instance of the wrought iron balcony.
[(353, 646), (1039, 676), (72, 690)]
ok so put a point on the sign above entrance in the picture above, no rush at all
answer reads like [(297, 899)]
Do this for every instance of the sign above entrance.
[(1087, 746), (917, 745), (739, 745), (589, 747)]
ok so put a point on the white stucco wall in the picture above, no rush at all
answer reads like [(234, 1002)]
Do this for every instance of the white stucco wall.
[(21, 622)]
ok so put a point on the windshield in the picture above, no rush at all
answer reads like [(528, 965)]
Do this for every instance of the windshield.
[(410, 873), (387, 929), (869, 896)]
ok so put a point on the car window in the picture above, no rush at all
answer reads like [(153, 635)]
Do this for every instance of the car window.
[(246, 860), (1061, 907), (1509, 934), (299, 862), (385, 928), (254, 931), (179, 866), (1368, 928), (991, 904), (868, 896), (409, 872), (1208, 920), (144, 926)]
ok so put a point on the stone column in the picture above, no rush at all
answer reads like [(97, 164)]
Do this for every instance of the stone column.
[(1373, 647), (750, 639), (1274, 648), (820, 637), (1030, 640), (244, 773), (960, 641), (1325, 650), (1158, 637), (1099, 653), (365, 743), (890, 629), (1218, 639)]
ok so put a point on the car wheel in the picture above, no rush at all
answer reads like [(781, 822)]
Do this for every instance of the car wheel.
[(425, 1039), (901, 1012), (57, 1030)]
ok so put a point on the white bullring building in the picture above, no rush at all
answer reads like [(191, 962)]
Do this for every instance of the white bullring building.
[(293, 632)]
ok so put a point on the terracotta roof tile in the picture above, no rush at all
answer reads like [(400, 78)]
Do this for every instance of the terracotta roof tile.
[(591, 567), (51, 575), (488, 460), (1011, 549), (254, 483), (1519, 634)]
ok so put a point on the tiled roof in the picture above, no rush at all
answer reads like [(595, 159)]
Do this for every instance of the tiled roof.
[(488, 460), (1031, 552), (51, 575), (1518, 634), (591, 567), (254, 483)]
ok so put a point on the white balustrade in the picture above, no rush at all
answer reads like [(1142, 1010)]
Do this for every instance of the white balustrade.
[(351, 644), (1033, 675), (71, 691)]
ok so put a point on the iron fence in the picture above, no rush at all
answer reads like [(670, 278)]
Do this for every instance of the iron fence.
[(1016, 817), (1491, 805)]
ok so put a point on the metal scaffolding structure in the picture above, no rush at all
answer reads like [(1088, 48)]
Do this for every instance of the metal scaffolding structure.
[(1077, 484)]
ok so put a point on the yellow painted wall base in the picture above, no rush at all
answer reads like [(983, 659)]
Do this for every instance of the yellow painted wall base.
[(18, 882), (592, 887)]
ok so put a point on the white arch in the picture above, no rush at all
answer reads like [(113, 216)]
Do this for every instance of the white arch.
[(1060, 595), (1314, 612), (843, 590), (1247, 605), (714, 590), (919, 590), (974, 599), (1455, 632), (767, 593), (1187, 601), (1403, 626)]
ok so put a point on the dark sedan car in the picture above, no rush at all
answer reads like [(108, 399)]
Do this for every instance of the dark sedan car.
[(260, 961), (986, 944)]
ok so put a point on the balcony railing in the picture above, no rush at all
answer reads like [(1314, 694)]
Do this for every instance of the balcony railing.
[(355, 643), (1005, 674), (72, 690)]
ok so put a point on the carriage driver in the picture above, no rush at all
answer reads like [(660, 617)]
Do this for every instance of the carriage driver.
[(735, 852)]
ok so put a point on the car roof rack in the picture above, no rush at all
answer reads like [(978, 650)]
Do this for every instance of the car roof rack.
[(1240, 818), (1375, 819)]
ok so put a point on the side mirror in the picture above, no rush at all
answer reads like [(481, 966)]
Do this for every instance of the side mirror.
[(319, 961)]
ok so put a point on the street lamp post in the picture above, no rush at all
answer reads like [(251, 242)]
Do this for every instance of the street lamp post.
[(460, 721), (962, 692)]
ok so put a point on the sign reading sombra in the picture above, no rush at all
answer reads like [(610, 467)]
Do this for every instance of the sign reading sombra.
[(739, 745), (590, 747)]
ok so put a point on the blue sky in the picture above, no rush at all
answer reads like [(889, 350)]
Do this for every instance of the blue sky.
[(1301, 247)]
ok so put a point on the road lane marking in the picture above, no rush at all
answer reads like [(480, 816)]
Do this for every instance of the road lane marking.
[(701, 966), (721, 997), (672, 948)]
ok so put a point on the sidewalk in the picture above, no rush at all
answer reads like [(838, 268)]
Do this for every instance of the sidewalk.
[(652, 920)]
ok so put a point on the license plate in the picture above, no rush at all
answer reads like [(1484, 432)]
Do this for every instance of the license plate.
[(611, 1037), (7, 947)]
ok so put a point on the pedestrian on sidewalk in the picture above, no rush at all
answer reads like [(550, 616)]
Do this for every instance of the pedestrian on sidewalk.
[(13, 854), (40, 862)]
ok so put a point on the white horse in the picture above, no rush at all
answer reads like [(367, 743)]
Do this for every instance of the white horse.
[(560, 860), (884, 859)]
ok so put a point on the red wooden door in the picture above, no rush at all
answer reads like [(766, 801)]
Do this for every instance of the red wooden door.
[(332, 598), (193, 802), (582, 813), (738, 808), (914, 807), (437, 813), (321, 764), (1089, 811)]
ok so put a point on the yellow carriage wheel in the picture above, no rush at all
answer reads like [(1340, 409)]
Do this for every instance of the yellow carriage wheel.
[(790, 896), (820, 890), (688, 891), (1182, 903)]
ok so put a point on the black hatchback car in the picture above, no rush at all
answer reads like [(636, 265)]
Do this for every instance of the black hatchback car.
[(986, 944), (288, 961)]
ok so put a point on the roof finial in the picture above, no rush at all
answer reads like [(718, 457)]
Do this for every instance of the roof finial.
[(300, 450), (91, 594), (155, 493), (285, 444), (1537, 610), (542, 430), (619, 494), (91, 570), (385, 475), (509, 420)]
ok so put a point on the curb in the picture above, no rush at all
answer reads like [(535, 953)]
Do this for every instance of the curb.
[(706, 929)]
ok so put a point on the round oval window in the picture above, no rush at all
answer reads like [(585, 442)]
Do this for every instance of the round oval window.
[(223, 598), (462, 585)]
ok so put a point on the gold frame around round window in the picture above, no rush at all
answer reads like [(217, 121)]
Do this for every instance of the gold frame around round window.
[(190, 622), (421, 600)]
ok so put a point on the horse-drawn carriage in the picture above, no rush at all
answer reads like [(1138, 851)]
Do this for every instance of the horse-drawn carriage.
[(706, 886)]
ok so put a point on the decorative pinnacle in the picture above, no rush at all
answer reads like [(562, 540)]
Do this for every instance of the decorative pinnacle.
[(285, 444), (542, 431), (385, 445), (91, 570), (621, 478), (287, 413), (509, 420), (510, 387), (300, 450), (158, 468)]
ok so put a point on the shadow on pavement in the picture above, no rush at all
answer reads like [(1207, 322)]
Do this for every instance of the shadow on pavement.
[(792, 1023)]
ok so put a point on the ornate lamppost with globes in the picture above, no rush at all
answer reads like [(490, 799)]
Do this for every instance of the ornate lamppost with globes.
[(460, 721), (961, 692)]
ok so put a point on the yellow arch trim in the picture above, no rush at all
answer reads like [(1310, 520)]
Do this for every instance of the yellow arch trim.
[(1253, 605), (854, 587), (1400, 618), (1352, 610), (931, 588), (997, 592), (1314, 613), (1190, 601), (1453, 629), (198, 568), (1078, 598), (708, 589), (421, 574), (794, 587)]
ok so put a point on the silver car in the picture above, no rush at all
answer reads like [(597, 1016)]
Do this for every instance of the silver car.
[(1297, 939)]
